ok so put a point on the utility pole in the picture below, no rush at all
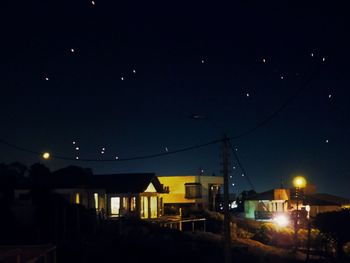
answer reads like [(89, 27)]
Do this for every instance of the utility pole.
[(227, 218)]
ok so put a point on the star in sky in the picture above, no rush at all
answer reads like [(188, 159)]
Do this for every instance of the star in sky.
[(126, 69)]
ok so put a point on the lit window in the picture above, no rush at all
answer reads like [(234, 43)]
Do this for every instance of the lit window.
[(125, 203), (193, 190), (133, 203), (96, 200), (77, 198), (144, 207), (154, 207)]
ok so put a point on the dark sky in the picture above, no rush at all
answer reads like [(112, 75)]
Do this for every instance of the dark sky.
[(128, 77)]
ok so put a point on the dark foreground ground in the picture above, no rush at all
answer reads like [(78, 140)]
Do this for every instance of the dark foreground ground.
[(142, 242)]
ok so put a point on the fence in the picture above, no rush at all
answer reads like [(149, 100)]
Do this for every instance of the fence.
[(185, 224), (28, 254)]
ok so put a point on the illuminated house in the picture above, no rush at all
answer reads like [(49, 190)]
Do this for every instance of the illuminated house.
[(128, 195), (112, 195), (320, 203), (264, 205), (187, 191)]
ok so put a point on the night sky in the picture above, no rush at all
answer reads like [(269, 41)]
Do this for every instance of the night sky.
[(122, 79)]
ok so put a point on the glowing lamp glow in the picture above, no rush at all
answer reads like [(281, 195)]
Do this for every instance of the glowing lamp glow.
[(299, 182), (307, 208), (281, 220), (46, 155)]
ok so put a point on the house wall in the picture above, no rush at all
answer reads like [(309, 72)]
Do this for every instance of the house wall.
[(177, 188), (250, 206), (281, 194), (314, 210), (254, 208)]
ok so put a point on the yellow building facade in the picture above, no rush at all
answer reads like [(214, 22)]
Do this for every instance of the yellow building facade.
[(191, 190)]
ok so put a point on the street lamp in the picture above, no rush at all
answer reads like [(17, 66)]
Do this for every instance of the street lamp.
[(299, 182), (46, 155)]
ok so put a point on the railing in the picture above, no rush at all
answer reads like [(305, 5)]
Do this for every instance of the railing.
[(179, 224), (263, 215), (28, 254), (11, 254)]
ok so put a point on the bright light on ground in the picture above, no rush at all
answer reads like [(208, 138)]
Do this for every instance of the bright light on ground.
[(281, 220)]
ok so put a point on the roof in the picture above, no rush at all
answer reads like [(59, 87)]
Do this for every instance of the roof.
[(326, 199), (125, 183), (77, 177), (267, 195)]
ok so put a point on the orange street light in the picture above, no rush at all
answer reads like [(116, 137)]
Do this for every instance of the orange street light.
[(299, 182)]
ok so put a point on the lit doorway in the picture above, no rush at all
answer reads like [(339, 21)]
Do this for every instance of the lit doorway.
[(115, 205)]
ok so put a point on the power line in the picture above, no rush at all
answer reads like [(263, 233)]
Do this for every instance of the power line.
[(245, 174), (193, 147), (241, 166), (281, 108)]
